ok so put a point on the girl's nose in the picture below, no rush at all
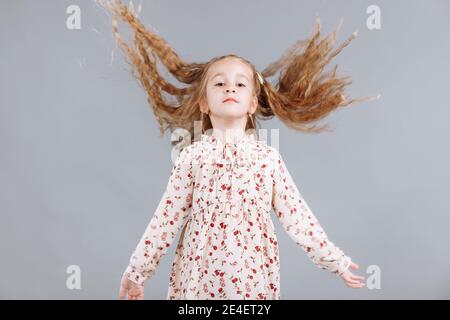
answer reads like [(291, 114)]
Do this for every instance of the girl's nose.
[(228, 90)]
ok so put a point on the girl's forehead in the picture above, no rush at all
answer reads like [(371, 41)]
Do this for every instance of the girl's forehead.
[(230, 66)]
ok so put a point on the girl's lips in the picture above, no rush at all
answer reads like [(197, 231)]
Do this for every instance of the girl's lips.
[(230, 100)]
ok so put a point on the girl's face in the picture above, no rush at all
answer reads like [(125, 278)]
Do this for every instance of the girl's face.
[(229, 79)]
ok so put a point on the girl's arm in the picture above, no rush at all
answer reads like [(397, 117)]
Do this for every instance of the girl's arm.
[(168, 219), (301, 224)]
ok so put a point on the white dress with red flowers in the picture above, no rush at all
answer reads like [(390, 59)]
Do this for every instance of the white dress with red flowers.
[(221, 196)]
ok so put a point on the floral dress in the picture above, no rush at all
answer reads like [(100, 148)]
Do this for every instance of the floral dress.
[(221, 196)]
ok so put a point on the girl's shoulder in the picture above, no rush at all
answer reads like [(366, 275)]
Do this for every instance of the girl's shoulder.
[(270, 151)]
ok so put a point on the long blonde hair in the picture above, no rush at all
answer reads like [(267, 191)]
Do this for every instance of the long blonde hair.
[(302, 95)]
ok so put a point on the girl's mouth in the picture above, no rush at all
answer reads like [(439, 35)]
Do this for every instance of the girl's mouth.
[(230, 100)]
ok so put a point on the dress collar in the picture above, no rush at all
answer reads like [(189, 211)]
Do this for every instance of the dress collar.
[(216, 141), (229, 153)]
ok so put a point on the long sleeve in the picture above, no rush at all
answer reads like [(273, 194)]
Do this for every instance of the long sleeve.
[(169, 217), (301, 224)]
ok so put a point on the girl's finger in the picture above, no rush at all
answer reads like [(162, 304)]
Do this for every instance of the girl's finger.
[(354, 266), (347, 275), (357, 277), (349, 280), (355, 285), (354, 276), (122, 292)]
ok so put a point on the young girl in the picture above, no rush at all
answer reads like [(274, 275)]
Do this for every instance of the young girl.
[(225, 182)]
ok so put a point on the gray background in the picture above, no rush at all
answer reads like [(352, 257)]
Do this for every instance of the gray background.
[(82, 165)]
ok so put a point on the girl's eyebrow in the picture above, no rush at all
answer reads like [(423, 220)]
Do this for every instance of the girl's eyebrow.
[(239, 74)]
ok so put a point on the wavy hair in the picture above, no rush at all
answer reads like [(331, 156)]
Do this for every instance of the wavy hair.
[(302, 94)]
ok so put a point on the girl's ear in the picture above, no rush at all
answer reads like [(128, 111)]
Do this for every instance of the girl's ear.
[(254, 104)]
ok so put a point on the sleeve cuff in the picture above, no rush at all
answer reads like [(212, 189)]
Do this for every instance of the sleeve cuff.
[(133, 275), (345, 265)]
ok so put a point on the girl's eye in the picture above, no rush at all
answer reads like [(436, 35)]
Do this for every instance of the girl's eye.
[(222, 83)]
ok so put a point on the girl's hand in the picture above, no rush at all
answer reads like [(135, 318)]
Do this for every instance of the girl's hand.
[(352, 280), (130, 289)]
